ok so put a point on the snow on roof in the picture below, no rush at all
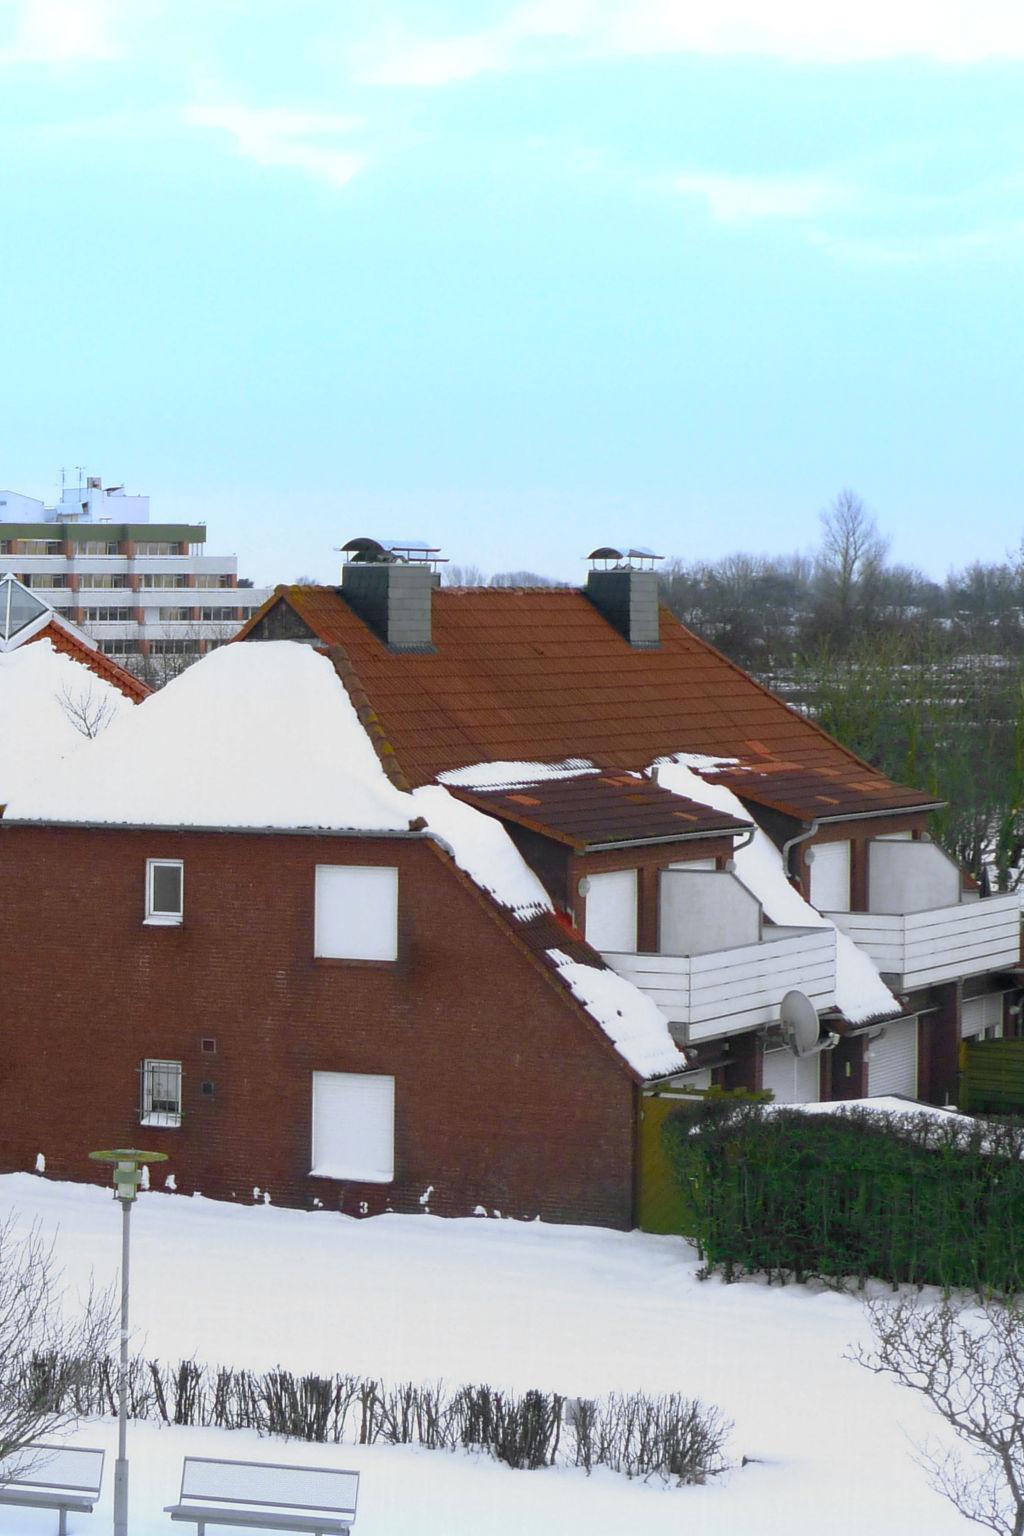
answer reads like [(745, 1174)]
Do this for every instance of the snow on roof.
[(40, 691), (481, 846), (251, 736), (512, 775), (636, 1026), (861, 994)]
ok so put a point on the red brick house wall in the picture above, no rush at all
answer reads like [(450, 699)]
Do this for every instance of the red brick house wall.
[(507, 1095)]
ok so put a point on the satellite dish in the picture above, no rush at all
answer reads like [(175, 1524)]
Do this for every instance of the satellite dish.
[(800, 1027)]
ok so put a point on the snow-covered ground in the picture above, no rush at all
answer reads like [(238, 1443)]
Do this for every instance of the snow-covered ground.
[(576, 1309)]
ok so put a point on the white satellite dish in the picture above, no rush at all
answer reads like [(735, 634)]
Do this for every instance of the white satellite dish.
[(800, 1027)]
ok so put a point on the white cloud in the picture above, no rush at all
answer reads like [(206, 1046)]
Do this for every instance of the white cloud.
[(305, 141), (743, 199), (808, 31), (59, 31)]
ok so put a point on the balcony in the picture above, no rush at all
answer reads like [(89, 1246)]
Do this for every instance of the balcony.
[(920, 928), (918, 949), (720, 968), (727, 990)]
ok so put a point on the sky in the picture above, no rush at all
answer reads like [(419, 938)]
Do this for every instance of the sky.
[(518, 277)]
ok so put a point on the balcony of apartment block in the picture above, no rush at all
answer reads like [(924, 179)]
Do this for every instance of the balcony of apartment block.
[(921, 926), (35, 565), (111, 629), (213, 565), (721, 967), (95, 565)]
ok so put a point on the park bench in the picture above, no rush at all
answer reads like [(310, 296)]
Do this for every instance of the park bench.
[(57, 1477), (319, 1500)]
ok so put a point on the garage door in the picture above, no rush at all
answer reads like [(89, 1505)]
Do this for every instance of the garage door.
[(980, 1015), (792, 1079), (892, 1061)]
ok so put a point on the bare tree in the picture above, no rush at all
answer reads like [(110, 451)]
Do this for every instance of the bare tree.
[(969, 1364), (850, 560), (89, 712), (524, 579), (45, 1351), (462, 576)]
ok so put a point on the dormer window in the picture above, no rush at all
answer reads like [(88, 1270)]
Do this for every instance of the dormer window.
[(165, 892)]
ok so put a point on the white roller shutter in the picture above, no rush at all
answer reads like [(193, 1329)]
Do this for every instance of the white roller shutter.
[(979, 1014), (892, 1061), (792, 1079), (611, 911), (830, 877), (354, 1127), (700, 1079)]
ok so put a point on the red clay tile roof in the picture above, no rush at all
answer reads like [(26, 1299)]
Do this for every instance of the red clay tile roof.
[(601, 810), (106, 667), (541, 675)]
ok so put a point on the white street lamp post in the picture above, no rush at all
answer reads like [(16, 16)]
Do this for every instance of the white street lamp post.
[(127, 1162)]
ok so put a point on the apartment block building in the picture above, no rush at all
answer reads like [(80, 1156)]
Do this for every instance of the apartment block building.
[(147, 593)]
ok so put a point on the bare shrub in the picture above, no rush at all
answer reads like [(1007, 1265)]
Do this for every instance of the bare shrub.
[(969, 1364), (50, 1355), (89, 711)]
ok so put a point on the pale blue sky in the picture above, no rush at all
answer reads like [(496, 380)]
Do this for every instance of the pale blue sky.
[(518, 277)]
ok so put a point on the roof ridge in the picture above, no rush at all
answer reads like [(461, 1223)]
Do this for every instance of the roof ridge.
[(368, 716)]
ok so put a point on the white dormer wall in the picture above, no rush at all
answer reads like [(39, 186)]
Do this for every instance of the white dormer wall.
[(702, 911), (910, 877)]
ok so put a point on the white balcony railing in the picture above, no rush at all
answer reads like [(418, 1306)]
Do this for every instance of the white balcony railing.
[(728, 990), (918, 949)]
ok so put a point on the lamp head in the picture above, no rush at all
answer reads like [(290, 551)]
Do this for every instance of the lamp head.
[(128, 1162)]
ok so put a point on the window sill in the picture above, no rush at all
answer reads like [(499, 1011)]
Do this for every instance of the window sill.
[(166, 1121), (375, 965), (158, 921), (351, 1178)]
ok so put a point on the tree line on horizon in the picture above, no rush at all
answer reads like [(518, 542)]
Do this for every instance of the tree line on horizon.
[(770, 613)]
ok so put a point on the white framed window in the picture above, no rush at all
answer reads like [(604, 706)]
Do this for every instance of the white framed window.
[(160, 1100), (353, 1127), (165, 891), (356, 912)]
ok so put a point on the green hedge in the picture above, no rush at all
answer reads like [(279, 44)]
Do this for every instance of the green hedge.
[(902, 1197)]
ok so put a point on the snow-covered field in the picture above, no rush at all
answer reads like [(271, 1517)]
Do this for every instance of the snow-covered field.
[(576, 1309)]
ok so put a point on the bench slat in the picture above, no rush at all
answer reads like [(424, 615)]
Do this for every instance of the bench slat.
[(268, 1520), (35, 1498), (315, 1490), (60, 1468)]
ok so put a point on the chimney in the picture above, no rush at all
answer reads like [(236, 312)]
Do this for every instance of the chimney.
[(626, 592), (389, 585)]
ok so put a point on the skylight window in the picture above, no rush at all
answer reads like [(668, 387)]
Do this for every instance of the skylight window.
[(18, 608)]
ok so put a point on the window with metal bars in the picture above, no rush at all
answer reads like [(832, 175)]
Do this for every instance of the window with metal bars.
[(160, 1097)]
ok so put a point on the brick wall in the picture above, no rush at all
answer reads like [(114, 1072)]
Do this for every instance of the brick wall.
[(506, 1096)]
